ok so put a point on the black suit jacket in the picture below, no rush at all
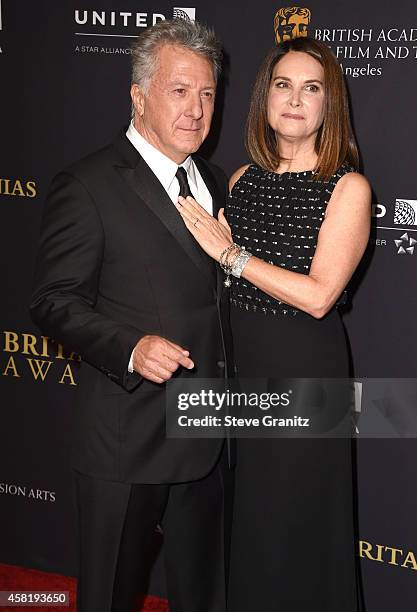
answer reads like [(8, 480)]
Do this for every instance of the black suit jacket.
[(115, 263)]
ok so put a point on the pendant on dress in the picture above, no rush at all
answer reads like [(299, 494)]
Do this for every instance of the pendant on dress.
[(227, 282)]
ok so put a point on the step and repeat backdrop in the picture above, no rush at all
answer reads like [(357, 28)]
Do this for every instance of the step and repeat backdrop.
[(64, 91)]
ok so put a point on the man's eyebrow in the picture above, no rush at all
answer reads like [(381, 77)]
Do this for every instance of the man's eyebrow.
[(180, 83), (188, 85)]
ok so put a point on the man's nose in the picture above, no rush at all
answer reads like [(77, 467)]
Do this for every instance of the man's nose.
[(194, 107)]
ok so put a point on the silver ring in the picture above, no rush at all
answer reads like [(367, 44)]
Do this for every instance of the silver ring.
[(196, 221)]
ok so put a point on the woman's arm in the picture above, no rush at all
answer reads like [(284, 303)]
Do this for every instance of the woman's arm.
[(341, 243)]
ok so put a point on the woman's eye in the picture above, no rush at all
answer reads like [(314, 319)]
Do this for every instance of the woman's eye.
[(312, 88), (180, 90), (281, 84)]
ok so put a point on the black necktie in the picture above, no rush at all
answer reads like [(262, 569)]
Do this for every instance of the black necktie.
[(181, 175), (185, 191)]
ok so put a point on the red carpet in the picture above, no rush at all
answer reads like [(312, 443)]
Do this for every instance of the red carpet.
[(19, 578)]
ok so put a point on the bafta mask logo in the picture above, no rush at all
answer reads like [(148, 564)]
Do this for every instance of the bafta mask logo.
[(291, 22)]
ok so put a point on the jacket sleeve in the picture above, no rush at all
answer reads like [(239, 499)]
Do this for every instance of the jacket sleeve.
[(67, 274)]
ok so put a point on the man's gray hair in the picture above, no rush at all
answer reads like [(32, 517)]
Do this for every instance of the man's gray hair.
[(188, 34)]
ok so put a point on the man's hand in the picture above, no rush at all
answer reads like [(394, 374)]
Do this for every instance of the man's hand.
[(156, 358)]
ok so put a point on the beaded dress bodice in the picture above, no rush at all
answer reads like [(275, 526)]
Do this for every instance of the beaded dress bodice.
[(277, 217)]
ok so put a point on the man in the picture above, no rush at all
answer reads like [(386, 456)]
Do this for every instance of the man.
[(120, 280)]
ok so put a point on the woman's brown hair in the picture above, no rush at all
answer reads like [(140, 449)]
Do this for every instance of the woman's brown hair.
[(335, 142)]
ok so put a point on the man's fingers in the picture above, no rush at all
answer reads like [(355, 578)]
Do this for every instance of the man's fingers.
[(150, 376), (186, 362), (170, 365), (179, 357), (178, 354), (170, 355), (157, 371), (158, 357)]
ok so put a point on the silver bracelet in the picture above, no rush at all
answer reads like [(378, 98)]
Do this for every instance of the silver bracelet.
[(240, 262), (224, 262), (224, 257)]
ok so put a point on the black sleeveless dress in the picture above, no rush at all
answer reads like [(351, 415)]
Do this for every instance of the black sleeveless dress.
[(293, 547)]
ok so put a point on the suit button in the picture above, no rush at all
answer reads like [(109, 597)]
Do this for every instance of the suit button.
[(220, 364)]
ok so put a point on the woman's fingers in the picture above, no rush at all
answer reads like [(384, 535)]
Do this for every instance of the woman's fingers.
[(222, 219), (211, 234), (186, 213), (223, 222), (193, 206)]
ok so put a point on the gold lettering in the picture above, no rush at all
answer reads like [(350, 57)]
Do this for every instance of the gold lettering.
[(18, 189), (410, 558), (29, 342), (60, 352), (41, 368), (31, 189), (74, 357), (11, 366), (6, 183), (15, 187), (10, 342), (67, 374), (44, 346), (380, 549), (394, 552), (365, 550)]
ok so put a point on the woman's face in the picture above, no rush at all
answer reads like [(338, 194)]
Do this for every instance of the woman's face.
[(296, 97)]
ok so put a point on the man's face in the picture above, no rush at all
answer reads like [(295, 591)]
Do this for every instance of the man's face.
[(176, 112)]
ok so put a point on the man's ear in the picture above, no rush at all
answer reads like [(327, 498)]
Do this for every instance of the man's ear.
[(138, 99)]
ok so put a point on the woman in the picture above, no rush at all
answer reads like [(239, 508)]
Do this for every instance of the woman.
[(303, 214)]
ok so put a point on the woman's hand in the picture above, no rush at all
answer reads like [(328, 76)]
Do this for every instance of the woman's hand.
[(211, 234)]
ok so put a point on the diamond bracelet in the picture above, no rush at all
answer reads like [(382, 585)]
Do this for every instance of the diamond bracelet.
[(239, 260)]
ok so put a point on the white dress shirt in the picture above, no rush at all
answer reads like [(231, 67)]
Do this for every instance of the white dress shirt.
[(165, 169)]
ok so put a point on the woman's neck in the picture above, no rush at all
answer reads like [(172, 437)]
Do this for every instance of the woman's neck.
[(296, 156)]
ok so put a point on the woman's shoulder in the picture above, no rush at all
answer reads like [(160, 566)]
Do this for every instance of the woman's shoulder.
[(351, 189), (238, 174), (347, 178)]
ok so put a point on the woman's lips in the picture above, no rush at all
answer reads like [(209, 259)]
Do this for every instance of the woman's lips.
[(290, 116)]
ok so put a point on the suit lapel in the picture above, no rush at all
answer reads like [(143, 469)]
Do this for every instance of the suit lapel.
[(149, 190), (211, 184)]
